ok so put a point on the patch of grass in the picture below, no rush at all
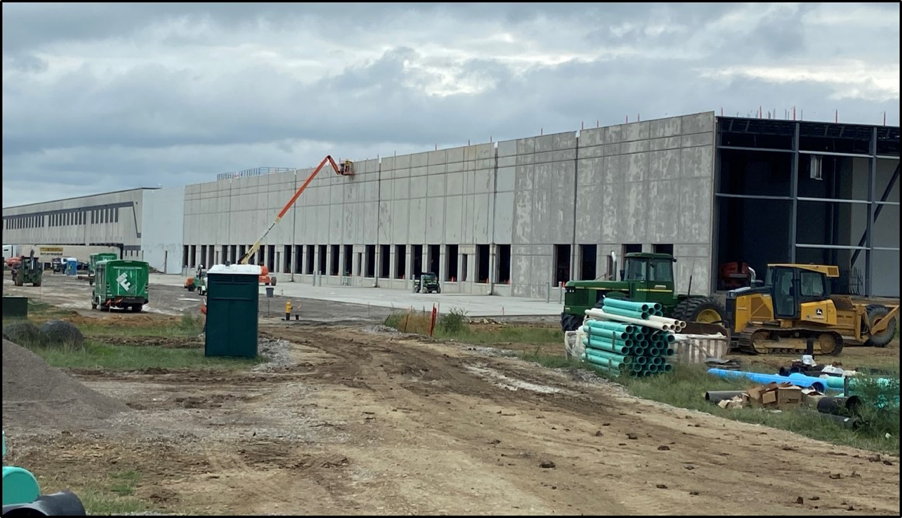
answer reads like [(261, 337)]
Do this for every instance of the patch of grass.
[(124, 482), (97, 355), (454, 325), (103, 504), (685, 387), (187, 326)]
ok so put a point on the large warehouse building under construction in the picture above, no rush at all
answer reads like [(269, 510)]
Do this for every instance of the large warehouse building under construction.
[(518, 217)]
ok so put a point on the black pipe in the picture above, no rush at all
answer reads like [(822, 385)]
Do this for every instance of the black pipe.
[(843, 406), (716, 396), (852, 423)]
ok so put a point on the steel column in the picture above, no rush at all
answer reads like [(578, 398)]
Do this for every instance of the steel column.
[(794, 193), (872, 186)]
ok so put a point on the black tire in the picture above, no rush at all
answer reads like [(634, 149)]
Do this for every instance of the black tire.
[(438, 289), (191, 288), (881, 340), (272, 281), (689, 309), (137, 307), (38, 283), (93, 305), (569, 322)]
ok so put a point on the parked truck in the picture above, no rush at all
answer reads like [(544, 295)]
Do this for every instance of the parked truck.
[(120, 283)]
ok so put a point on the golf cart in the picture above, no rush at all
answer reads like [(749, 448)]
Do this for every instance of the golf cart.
[(427, 283)]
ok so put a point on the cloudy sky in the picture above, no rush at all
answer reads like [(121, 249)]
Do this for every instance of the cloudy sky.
[(100, 97)]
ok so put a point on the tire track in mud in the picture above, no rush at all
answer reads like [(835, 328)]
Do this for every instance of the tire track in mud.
[(707, 459)]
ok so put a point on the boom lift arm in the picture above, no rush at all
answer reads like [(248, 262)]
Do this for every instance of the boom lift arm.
[(345, 169)]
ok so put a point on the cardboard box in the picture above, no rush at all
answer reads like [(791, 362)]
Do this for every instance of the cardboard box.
[(789, 397), (772, 395)]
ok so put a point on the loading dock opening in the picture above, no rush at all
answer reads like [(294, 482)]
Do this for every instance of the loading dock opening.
[(809, 192)]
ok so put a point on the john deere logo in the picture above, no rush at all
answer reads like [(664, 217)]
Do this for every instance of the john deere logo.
[(819, 312), (123, 281)]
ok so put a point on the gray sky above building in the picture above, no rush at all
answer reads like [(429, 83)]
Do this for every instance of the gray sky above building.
[(100, 97)]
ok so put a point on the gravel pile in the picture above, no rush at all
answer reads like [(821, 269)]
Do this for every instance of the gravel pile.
[(37, 395), (276, 353), (23, 333)]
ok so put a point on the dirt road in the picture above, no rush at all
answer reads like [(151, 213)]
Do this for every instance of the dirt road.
[(369, 422)]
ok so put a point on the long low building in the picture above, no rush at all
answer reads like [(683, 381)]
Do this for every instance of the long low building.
[(519, 217)]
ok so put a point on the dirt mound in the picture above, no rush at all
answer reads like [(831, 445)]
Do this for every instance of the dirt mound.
[(62, 334), (36, 395), (23, 333)]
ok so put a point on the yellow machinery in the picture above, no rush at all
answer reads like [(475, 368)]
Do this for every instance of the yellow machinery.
[(795, 304)]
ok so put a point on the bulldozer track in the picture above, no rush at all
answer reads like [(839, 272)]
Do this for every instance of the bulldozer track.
[(772, 345)]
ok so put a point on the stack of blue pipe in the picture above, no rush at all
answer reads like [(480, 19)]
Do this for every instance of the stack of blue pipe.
[(628, 349)]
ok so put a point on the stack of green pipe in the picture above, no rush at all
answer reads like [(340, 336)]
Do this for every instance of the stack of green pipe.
[(628, 349)]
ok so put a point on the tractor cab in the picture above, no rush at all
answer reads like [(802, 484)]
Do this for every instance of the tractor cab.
[(649, 274)]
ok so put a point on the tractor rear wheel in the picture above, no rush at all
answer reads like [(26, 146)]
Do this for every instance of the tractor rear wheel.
[(37, 283), (438, 289), (874, 311), (705, 310), (272, 282), (569, 322)]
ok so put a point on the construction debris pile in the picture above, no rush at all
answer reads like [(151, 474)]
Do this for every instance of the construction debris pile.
[(630, 338)]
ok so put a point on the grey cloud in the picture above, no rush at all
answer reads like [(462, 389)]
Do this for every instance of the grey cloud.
[(177, 124)]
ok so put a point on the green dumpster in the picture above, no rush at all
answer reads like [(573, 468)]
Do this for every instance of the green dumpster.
[(232, 304)]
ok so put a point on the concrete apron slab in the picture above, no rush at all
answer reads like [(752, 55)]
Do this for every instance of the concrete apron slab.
[(474, 305)]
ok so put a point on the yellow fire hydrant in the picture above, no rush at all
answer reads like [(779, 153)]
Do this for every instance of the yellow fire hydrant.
[(288, 310)]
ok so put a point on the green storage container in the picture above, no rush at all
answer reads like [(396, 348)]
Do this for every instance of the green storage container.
[(232, 305)]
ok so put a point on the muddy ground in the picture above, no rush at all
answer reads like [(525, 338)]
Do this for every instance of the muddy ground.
[(366, 421)]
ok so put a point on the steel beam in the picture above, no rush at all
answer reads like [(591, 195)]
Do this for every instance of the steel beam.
[(761, 149), (752, 197), (872, 186), (833, 153), (830, 247), (794, 193)]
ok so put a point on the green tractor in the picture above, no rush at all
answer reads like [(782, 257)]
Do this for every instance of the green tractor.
[(646, 277), (120, 283), (29, 270)]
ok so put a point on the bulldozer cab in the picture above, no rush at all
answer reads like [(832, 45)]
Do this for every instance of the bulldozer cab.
[(793, 285)]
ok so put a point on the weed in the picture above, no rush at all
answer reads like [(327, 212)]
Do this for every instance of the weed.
[(454, 322), (190, 323)]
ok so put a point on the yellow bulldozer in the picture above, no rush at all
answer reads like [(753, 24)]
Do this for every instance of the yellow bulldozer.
[(795, 305)]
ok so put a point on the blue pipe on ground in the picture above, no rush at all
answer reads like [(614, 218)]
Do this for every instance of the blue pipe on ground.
[(801, 380)]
